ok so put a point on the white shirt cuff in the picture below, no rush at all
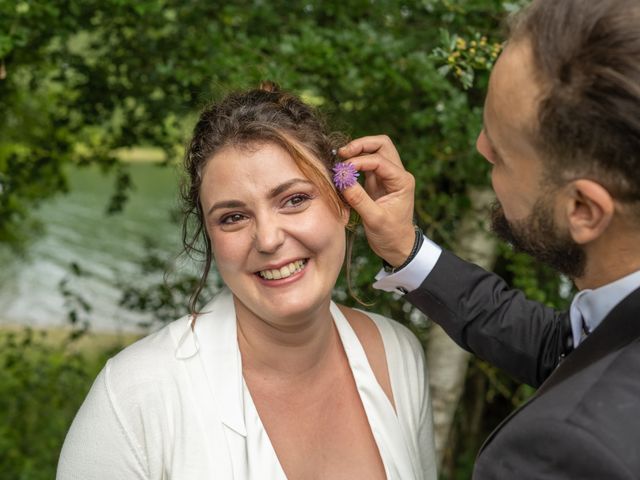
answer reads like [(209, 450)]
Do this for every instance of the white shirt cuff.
[(411, 276)]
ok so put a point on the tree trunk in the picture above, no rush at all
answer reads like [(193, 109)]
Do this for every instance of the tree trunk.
[(447, 363)]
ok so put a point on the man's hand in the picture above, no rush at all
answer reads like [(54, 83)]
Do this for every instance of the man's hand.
[(386, 202)]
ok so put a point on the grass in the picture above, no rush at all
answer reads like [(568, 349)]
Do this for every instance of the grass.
[(148, 154), (89, 344), (141, 154)]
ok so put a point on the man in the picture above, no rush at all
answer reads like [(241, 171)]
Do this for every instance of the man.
[(562, 134)]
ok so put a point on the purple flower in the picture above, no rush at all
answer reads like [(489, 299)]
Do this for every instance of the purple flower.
[(344, 175)]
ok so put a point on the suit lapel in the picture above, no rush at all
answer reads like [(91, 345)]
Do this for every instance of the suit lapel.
[(495, 431), (618, 329)]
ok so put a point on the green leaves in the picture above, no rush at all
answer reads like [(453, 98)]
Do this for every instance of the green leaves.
[(88, 78), (42, 383)]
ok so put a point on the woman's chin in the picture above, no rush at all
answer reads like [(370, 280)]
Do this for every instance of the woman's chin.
[(287, 310)]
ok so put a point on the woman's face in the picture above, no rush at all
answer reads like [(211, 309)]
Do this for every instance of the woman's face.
[(277, 243)]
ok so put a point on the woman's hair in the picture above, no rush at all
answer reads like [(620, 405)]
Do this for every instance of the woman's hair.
[(244, 120)]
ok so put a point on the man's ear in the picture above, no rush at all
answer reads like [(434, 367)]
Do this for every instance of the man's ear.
[(589, 210)]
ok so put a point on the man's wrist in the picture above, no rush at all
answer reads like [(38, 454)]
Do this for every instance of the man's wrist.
[(417, 243), (412, 275)]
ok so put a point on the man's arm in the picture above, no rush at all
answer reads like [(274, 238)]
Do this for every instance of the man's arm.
[(474, 306), (498, 324)]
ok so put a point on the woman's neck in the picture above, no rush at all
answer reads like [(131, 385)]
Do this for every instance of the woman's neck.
[(291, 351)]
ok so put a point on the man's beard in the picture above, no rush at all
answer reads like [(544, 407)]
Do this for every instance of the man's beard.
[(538, 236)]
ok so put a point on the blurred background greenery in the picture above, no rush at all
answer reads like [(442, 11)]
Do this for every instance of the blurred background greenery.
[(97, 98)]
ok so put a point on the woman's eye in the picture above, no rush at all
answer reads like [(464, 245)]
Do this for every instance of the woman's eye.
[(296, 200), (231, 219)]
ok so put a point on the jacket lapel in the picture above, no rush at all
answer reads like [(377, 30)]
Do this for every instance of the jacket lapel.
[(217, 335), (618, 329)]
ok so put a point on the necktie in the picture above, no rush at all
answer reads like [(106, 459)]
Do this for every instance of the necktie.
[(578, 319), (585, 329)]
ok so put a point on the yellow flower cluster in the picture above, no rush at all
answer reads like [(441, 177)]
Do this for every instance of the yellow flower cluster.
[(474, 54)]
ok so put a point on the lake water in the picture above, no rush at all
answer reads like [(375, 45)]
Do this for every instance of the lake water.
[(107, 248)]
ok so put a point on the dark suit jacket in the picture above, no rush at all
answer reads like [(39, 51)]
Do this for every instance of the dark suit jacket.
[(584, 420)]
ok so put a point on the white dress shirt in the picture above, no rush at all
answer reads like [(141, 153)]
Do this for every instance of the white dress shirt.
[(590, 307)]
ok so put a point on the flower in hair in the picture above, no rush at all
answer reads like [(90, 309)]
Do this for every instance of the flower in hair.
[(344, 175)]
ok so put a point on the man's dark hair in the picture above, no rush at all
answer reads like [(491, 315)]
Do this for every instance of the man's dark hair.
[(587, 53)]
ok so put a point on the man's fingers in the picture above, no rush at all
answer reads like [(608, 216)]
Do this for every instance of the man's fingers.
[(388, 174), (385, 204), (361, 202), (380, 144)]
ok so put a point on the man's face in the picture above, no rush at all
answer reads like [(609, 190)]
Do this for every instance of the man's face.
[(526, 213), (539, 236)]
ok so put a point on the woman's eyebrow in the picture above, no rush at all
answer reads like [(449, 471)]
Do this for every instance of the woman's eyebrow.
[(226, 204), (283, 187), (274, 192)]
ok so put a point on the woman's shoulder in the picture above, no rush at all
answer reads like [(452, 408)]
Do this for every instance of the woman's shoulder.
[(363, 325), (392, 332), (403, 353), (149, 359)]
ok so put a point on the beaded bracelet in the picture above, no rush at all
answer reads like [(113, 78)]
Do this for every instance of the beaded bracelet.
[(414, 251)]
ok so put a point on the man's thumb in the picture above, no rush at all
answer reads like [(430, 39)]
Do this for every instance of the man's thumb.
[(361, 202)]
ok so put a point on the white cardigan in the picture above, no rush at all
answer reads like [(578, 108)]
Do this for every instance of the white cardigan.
[(174, 405)]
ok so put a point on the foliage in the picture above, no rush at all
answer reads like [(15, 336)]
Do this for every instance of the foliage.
[(42, 383), (78, 308), (165, 290), (133, 73), (86, 78)]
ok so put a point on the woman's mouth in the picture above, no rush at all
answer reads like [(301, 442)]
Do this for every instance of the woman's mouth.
[(284, 271)]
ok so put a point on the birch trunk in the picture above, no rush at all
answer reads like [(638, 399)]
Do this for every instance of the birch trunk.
[(446, 362)]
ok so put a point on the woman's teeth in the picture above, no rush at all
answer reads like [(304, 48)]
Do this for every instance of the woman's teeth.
[(283, 272)]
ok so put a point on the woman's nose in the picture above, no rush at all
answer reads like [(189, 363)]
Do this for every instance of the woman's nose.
[(268, 236)]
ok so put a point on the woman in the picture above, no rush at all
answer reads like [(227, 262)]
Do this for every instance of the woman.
[(271, 379)]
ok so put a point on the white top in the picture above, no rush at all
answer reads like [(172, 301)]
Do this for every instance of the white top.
[(174, 405)]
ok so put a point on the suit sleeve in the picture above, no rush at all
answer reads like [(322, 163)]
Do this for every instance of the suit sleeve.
[(498, 324)]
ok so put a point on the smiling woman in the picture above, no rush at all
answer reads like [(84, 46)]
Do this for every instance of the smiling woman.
[(271, 379), (278, 244)]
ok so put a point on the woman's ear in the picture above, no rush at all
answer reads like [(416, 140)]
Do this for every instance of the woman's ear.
[(589, 210)]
